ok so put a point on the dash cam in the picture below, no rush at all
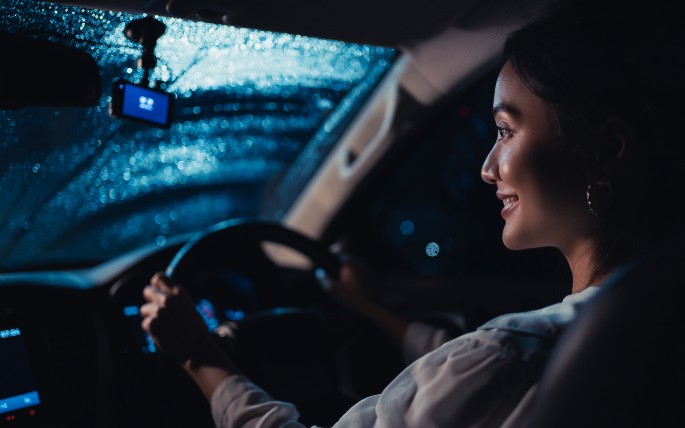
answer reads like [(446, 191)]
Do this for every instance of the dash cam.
[(141, 103)]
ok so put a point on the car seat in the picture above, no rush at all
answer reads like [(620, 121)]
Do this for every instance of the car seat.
[(620, 364)]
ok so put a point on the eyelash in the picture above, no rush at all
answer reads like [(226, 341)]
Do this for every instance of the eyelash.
[(503, 134)]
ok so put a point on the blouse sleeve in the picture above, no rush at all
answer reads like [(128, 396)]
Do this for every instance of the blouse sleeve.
[(237, 402), (420, 339), (480, 379)]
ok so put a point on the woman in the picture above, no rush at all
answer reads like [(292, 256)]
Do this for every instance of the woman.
[(585, 161)]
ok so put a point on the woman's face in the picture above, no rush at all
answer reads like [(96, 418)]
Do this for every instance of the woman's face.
[(540, 180)]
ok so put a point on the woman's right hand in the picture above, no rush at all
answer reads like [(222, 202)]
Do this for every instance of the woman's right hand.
[(170, 318)]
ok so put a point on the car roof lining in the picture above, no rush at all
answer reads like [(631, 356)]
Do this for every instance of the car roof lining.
[(356, 21)]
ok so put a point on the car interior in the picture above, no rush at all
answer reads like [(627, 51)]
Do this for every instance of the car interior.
[(242, 148)]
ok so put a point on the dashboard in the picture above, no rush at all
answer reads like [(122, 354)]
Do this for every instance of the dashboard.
[(55, 354), (75, 355)]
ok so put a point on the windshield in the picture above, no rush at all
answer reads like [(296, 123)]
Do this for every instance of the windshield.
[(79, 186)]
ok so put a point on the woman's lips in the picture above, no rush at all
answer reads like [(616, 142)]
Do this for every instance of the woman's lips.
[(510, 203)]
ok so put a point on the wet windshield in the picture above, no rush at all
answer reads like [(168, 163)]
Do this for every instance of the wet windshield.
[(255, 112)]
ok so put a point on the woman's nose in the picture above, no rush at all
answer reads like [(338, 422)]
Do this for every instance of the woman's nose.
[(489, 172)]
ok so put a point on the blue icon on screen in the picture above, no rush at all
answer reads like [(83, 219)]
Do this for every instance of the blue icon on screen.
[(19, 402)]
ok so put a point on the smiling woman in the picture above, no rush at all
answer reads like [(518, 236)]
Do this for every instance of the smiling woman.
[(85, 186)]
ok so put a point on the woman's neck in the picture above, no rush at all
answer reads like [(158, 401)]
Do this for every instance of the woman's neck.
[(583, 268)]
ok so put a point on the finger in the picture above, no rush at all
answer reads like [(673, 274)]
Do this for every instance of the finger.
[(155, 295), (149, 309), (162, 281), (145, 323)]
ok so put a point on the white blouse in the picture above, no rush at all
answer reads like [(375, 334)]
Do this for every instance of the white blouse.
[(484, 378)]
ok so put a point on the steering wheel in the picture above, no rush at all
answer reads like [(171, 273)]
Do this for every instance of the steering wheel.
[(222, 238), (288, 332), (230, 255)]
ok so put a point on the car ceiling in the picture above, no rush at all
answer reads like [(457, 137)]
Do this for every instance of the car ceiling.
[(378, 22)]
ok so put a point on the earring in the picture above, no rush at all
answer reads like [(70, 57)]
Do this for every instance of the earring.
[(599, 197)]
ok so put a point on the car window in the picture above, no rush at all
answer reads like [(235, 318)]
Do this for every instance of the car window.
[(433, 220), (79, 186)]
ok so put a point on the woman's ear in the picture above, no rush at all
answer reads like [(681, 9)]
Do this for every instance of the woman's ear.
[(611, 148)]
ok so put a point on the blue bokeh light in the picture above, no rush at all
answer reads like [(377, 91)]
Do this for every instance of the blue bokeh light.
[(407, 227), (432, 249)]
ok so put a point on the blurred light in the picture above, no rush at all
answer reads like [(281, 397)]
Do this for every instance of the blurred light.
[(151, 347), (407, 227), (130, 311), (432, 249), (234, 315), (206, 310)]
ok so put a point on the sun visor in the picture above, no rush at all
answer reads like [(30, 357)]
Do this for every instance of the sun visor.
[(460, 52), (42, 73)]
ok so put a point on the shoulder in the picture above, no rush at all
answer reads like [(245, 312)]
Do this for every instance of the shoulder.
[(547, 322), (524, 337)]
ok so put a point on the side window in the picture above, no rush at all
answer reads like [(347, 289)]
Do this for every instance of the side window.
[(434, 217)]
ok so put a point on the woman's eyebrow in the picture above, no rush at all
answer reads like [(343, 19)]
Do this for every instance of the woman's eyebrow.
[(506, 108)]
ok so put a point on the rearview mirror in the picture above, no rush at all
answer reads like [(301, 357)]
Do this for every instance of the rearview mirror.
[(44, 73)]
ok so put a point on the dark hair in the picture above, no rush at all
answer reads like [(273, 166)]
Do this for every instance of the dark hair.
[(596, 61)]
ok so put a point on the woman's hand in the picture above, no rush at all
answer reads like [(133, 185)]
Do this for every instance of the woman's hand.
[(170, 318), (354, 287)]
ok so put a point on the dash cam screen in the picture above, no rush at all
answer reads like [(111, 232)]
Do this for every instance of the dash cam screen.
[(145, 104), (141, 103), (17, 386)]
